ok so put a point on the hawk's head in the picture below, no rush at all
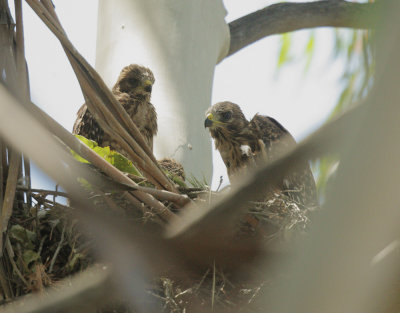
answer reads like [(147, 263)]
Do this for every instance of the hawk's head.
[(225, 118), (135, 80)]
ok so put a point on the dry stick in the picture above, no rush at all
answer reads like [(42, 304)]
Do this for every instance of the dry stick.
[(102, 164), (44, 192), (103, 116), (114, 129), (48, 19), (2, 162), (76, 60), (143, 164), (102, 86), (162, 210), (327, 139), (21, 65), (52, 26), (60, 244), (27, 172), (22, 77), (137, 154), (161, 217), (178, 199), (14, 265), (94, 76), (9, 194), (4, 283)]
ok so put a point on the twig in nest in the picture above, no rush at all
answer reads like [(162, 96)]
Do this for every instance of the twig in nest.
[(41, 244), (202, 280), (221, 179), (60, 244), (14, 266), (43, 192), (213, 287), (8, 203)]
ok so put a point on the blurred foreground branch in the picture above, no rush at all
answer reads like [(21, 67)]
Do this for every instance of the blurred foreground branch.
[(74, 294)]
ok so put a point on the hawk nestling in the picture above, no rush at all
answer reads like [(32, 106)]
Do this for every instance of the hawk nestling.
[(133, 91), (242, 143)]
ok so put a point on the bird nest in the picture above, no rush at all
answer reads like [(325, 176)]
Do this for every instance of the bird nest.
[(45, 245)]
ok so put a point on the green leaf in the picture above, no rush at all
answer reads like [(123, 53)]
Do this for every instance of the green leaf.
[(111, 156), (25, 237), (123, 164), (196, 183), (30, 256), (74, 260), (285, 49), (177, 180), (353, 44), (310, 50)]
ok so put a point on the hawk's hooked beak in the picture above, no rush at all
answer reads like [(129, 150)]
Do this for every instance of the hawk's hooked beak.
[(147, 85), (208, 122)]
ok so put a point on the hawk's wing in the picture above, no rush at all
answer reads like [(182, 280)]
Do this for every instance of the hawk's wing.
[(299, 185), (85, 125)]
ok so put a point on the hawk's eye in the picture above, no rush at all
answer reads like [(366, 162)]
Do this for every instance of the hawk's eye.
[(226, 115), (133, 82)]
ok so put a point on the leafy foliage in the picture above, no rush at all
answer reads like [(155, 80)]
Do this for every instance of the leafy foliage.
[(111, 156), (355, 49), (284, 55)]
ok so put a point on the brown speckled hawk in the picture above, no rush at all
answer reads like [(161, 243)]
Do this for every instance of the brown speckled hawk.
[(133, 91), (242, 143)]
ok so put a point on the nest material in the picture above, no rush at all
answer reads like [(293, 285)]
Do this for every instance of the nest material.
[(45, 246), (173, 168)]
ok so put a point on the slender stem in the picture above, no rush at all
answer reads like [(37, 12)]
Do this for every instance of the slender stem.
[(59, 246), (43, 191), (9, 194), (14, 265)]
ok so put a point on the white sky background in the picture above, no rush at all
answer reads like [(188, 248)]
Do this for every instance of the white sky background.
[(299, 101)]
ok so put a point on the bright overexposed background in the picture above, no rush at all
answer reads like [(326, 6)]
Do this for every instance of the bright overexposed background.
[(299, 100)]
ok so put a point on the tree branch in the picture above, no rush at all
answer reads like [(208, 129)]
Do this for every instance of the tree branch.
[(287, 17)]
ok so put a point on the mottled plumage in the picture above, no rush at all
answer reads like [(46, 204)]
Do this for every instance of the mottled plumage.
[(244, 143), (133, 91), (172, 167)]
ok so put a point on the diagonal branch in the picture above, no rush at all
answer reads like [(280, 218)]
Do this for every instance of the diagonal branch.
[(104, 166), (104, 102), (287, 17), (91, 286)]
